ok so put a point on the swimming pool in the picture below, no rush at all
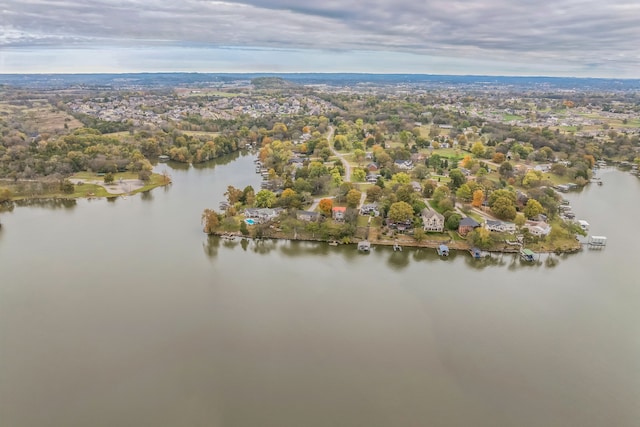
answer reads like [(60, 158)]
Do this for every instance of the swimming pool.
[(249, 221)]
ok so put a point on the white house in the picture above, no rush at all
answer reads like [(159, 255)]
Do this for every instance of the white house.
[(538, 228), (432, 220), (500, 227)]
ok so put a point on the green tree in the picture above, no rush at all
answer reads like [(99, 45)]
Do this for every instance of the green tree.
[(506, 170), (374, 193), (480, 237), (464, 193), (457, 178), (401, 178), (358, 175), (504, 208), (109, 178), (265, 199), (248, 196), (533, 208), (406, 193), (353, 198), (66, 186), (478, 149), (420, 172), (440, 194), (453, 221), (428, 188), (400, 212)]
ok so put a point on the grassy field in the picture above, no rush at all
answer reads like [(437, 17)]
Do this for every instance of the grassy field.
[(201, 133), (512, 117), (22, 191)]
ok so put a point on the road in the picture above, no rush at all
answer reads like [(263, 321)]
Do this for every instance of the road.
[(347, 166)]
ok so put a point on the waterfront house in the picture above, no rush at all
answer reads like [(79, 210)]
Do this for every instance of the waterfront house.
[(537, 228), (500, 226), (432, 220), (261, 214), (466, 225), (338, 213), (308, 216)]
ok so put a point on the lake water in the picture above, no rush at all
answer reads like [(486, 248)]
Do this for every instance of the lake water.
[(123, 313)]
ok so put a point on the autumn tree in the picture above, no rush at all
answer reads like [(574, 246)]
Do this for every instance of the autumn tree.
[(498, 158), (478, 198), (210, 221), (400, 212), (288, 198), (234, 195), (325, 206)]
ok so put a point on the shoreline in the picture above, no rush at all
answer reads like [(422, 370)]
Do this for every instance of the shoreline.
[(427, 244)]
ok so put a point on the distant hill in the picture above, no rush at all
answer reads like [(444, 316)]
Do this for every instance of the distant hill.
[(284, 80), (271, 83)]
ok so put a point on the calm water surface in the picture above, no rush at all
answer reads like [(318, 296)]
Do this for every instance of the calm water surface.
[(123, 313)]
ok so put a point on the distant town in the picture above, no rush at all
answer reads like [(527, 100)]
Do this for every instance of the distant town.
[(471, 163)]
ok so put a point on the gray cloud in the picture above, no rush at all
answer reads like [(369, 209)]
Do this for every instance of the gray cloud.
[(576, 33)]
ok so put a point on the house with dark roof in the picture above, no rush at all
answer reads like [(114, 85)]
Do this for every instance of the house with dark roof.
[(466, 225)]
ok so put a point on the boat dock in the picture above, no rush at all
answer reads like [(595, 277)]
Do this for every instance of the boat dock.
[(527, 255), (364, 246), (597, 242), (443, 250)]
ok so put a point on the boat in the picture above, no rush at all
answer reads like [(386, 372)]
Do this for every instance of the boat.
[(333, 243), (527, 255), (443, 250), (163, 158), (397, 247)]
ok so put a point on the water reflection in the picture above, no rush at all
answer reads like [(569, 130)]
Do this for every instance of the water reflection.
[(211, 246), (398, 260), (48, 203), (146, 196)]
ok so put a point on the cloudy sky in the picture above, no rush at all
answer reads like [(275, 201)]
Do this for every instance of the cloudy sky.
[(584, 38)]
